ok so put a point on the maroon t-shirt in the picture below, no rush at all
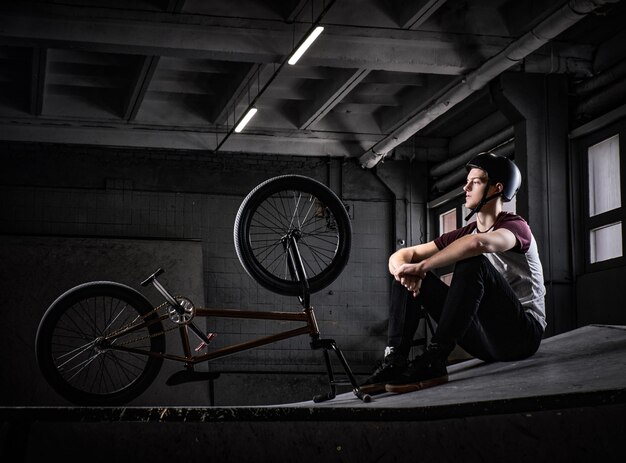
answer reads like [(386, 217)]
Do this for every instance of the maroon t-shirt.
[(512, 222), (520, 265)]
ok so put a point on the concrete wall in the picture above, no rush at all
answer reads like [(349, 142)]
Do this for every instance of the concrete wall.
[(579, 434), (81, 213)]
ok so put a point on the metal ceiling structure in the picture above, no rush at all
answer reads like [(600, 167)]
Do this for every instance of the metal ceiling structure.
[(384, 78)]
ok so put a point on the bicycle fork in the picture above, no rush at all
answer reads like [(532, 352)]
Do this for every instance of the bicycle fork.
[(298, 273)]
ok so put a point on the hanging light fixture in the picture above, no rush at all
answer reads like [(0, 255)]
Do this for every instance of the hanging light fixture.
[(305, 45), (313, 34), (242, 123)]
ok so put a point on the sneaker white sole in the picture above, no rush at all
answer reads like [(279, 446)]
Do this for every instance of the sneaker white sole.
[(410, 387)]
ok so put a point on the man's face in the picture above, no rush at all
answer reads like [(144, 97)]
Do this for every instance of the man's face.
[(475, 187)]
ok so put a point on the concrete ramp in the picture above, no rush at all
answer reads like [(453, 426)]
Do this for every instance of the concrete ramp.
[(566, 403)]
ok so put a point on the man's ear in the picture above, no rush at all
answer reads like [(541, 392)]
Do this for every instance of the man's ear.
[(499, 187)]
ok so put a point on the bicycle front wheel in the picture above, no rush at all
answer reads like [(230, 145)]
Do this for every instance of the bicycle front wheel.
[(299, 208), (94, 344)]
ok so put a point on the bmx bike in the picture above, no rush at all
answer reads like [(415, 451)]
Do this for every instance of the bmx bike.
[(103, 343)]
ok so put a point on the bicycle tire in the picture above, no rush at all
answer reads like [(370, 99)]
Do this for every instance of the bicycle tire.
[(80, 370), (285, 204)]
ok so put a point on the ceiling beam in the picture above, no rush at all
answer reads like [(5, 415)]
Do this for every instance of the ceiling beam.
[(293, 14), (413, 14), (515, 52), (254, 78), (134, 135), (413, 101), (328, 94), (175, 6), (39, 63), (139, 87), (154, 34)]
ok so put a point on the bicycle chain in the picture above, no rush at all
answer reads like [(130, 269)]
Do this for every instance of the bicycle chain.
[(155, 310)]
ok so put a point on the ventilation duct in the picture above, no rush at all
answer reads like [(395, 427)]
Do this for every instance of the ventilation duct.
[(602, 92), (566, 16)]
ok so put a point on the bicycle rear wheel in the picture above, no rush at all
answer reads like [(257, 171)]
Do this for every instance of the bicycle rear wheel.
[(75, 339), (296, 206)]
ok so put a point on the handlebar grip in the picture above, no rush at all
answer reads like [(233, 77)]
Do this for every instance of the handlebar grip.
[(149, 280)]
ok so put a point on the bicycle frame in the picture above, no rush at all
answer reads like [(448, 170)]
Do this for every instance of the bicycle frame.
[(306, 316), (282, 212)]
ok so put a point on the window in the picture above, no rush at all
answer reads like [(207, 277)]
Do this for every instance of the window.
[(447, 223), (605, 242), (604, 187), (604, 200)]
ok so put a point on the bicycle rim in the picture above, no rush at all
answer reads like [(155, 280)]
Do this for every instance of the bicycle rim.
[(76, 362), (286, 205)]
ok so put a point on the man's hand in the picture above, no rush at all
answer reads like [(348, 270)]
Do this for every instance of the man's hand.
[(407, 265), (412, 284), (410, 276)]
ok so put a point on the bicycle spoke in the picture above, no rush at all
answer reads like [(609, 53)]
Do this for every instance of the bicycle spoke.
[(299, 211), (287, 211), (74, 352), (74, 341), (80, 367), (295, 209)]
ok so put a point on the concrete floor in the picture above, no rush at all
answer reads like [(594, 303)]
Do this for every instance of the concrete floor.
[(566, 403)]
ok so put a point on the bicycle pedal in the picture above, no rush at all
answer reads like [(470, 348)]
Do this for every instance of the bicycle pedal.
[(203, 344)]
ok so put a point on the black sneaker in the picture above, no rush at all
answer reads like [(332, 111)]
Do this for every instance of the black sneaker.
[(427, 370), (389, 369)]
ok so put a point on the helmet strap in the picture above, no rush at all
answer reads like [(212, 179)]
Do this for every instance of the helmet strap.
[(485, 199)]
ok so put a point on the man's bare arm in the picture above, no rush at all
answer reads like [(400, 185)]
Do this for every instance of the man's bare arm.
[(411, 255), (465, 247)]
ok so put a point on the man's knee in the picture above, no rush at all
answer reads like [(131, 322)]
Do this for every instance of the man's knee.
[(471, 264)]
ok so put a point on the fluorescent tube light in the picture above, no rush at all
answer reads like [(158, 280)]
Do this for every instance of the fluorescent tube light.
[(305, 45), (251, 112)]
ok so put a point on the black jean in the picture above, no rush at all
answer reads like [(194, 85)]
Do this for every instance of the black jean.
[(478, 311)]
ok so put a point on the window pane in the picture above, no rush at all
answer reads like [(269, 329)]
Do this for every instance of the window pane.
[(447, 221), (606, 242), (604, 187)]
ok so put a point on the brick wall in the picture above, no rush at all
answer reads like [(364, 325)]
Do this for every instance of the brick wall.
[(50, 190)]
